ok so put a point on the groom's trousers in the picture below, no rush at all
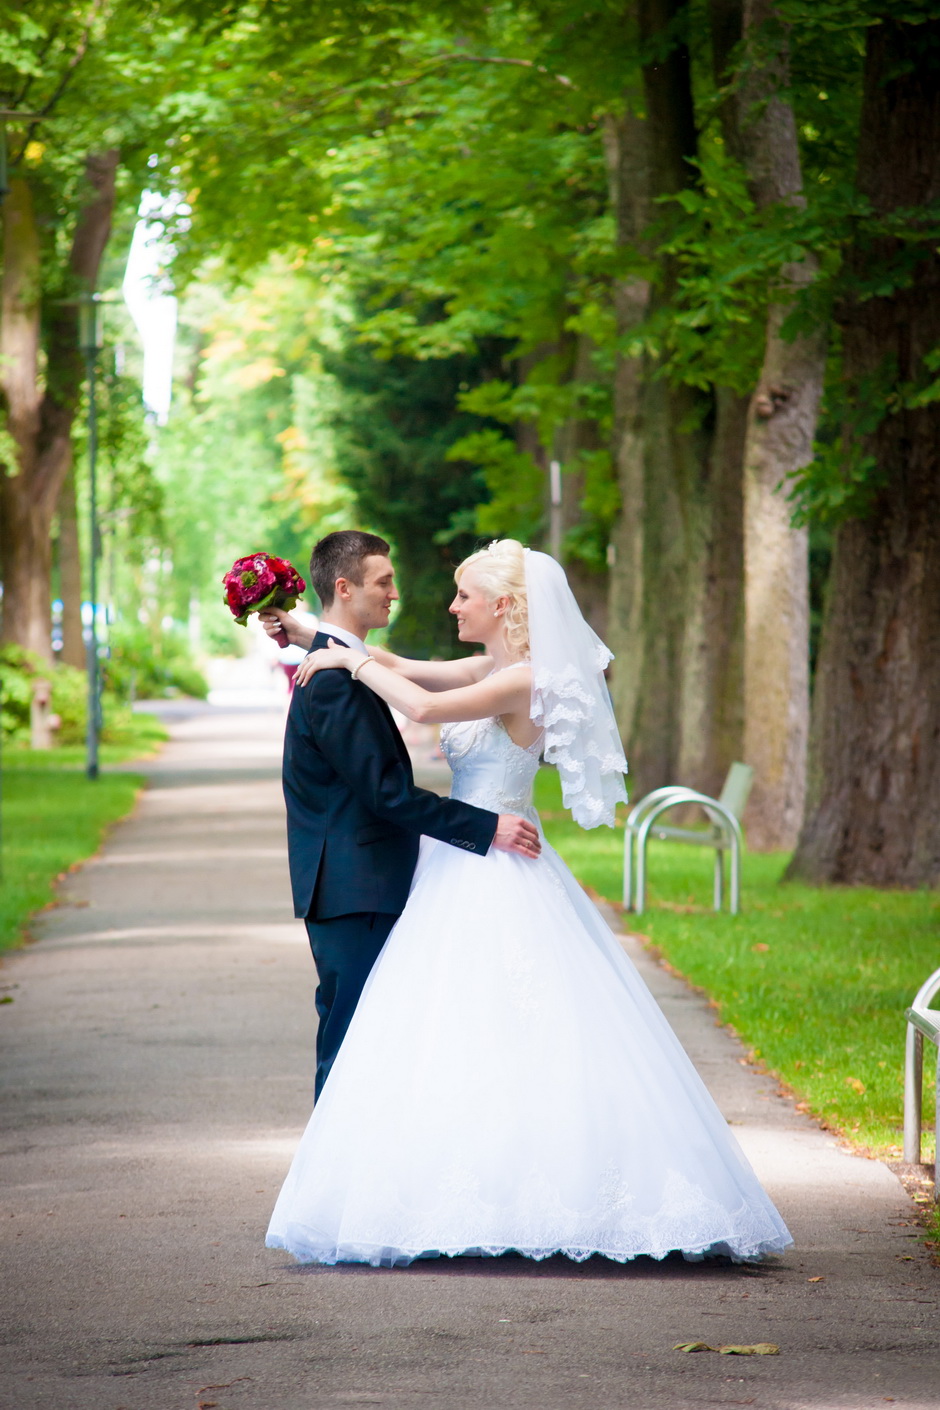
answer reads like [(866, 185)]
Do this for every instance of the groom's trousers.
[(344, 950)]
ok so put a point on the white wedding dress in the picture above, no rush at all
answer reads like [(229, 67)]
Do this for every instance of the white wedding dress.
[(508, 1082)]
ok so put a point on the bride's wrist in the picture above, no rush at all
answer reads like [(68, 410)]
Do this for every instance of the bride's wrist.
[(363, 661)]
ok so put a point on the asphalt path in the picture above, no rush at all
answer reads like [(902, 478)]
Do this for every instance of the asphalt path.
[(157, 1069)]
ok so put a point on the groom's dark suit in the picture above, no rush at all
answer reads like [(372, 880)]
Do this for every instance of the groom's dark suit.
[(354, 818)]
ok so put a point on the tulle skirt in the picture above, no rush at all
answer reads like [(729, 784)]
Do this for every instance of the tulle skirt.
[(509, 1083)]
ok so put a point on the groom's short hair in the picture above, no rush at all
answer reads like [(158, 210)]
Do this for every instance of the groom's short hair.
[(342, 555)]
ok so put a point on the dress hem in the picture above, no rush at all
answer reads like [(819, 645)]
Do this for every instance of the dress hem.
[(386, 1257)]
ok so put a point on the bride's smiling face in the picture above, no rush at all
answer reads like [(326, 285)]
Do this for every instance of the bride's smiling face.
[(476, 614)]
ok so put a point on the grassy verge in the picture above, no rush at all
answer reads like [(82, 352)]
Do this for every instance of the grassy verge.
[(814, 980), (53, 816)]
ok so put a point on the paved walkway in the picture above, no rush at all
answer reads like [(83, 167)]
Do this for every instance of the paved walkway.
[(156, 1072)]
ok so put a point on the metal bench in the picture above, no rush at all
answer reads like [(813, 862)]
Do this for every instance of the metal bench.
[(724, 834), (922, 1022)]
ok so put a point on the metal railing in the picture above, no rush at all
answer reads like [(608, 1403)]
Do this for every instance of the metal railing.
[(922, 1022), (724, 836)]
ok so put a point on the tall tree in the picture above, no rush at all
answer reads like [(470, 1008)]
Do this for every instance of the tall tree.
[(81, 85), (676, 577), (750, 48), (40, 409), (873, 811)]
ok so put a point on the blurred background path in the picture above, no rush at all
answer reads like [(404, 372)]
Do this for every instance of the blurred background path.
[(157, 1070)]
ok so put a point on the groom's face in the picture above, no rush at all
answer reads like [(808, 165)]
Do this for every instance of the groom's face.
[(371, 601)]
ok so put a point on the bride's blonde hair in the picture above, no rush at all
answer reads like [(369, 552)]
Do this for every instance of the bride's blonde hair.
[(500, 572)]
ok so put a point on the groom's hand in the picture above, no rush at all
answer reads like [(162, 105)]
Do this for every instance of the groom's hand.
[(274, 620), (516, 835)]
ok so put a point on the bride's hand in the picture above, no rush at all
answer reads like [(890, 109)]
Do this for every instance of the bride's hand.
[(326, 659)]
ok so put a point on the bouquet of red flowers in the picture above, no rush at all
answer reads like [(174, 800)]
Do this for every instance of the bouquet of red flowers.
[(261, 581)]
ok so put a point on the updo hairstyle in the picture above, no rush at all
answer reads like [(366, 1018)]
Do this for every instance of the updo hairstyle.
[(500, 572)]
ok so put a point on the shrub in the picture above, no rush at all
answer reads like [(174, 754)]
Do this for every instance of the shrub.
[(148, 664), (18, 668), (70, 702), (68, 699)]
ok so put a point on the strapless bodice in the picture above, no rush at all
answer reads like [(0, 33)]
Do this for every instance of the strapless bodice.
[(489, 770)]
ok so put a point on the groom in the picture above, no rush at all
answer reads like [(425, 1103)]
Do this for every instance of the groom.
[(354, 814)]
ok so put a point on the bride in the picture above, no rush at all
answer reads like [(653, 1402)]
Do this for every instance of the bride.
[(507, 1082)]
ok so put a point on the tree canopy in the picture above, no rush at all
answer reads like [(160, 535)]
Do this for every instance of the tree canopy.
[(425, 252)]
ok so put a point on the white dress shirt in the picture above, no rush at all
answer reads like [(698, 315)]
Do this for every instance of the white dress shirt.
[(344, 636)]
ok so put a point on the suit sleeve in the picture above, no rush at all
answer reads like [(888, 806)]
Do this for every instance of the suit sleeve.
[(349, 732)]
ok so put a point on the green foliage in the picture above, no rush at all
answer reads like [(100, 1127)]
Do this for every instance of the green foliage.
[(515, 483), (396, 423), (465, 180), (133, 500), (246, 461), (68, 702), (18, 670), (429, 181), (146, 663), (804, 975)]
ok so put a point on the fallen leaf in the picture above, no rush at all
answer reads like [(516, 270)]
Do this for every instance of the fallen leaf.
[(760, 948), (758, 1348), (693, 1346), (855, 1083), (816, 1280)]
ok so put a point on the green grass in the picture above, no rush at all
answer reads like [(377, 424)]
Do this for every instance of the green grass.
[(814, 980), (54, 817)]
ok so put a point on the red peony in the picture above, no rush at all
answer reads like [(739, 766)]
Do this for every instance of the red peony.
[(260, 581)]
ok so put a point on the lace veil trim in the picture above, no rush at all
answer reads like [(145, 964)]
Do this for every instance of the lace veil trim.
[(569, 696)]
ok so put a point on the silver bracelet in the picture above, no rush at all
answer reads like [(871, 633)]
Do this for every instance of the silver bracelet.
[(364, 662)]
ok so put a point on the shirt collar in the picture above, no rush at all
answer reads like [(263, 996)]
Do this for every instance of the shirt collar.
[(328, 629)]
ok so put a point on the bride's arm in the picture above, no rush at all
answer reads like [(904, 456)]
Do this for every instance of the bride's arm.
[(434, 675), (505, 693), (431, 675)]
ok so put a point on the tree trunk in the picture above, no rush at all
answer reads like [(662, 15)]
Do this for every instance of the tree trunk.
[(760, 130), (684, 694), (40, 421), (580, 434), (712, 683), (25, 511), (780, 433), (676, 578), (874, 784), (70, 575), (625, 151)]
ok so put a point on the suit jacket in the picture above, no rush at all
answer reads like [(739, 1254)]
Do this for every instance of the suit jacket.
[(354, 813)]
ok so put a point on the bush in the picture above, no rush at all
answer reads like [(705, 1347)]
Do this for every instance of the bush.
[(147, 664), (70, 703), (18, 667)]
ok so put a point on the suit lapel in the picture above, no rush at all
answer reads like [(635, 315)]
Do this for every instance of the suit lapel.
[(322, 640), (400, 744)]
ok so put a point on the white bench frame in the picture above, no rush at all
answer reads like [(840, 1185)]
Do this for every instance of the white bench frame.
[(724, 835), (922, 1022)]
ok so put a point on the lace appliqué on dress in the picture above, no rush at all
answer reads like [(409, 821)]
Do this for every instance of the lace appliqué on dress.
[(490, 770)]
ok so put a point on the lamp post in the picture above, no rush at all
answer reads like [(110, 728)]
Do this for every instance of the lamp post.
[(89, 338)]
